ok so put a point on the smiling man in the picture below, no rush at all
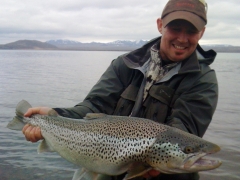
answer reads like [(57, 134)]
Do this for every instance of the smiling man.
[(179, 39), (168, 80), (182, 25)]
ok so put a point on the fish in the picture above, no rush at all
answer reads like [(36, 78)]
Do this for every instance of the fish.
[(106, 145)]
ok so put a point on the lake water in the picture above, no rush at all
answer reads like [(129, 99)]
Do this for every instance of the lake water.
[(63, 78)]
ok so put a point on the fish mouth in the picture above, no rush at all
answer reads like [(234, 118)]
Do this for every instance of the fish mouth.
[(199, 162)]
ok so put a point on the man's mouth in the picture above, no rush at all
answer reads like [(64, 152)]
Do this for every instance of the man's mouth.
[(179, 47)]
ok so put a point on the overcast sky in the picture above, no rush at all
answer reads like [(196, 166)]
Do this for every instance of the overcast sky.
[(106, 20)]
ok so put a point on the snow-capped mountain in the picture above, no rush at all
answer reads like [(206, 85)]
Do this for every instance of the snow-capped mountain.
[(122, 44), (127, 43), (62, 41), (119, 45)]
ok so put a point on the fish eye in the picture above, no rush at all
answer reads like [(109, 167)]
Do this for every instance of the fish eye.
[(188, 149)]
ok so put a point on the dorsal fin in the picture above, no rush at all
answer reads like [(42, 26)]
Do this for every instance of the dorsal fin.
[(90, 116)]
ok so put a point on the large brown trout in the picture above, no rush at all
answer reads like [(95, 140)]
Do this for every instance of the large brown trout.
[(104, 145)]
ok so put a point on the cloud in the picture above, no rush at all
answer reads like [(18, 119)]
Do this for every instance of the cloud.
[(106, 20), (223, 22)]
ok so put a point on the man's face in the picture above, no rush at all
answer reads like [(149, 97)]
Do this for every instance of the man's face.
[(179, 39)]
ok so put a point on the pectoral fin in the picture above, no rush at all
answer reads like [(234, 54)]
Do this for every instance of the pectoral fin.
[(136, 170)]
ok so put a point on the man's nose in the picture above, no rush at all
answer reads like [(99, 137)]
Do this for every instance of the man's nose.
[(182, 37)]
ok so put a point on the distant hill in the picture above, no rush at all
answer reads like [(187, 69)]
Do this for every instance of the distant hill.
[(125, 45), (28, 44), (111, 46), (222, 48), (97, 46)]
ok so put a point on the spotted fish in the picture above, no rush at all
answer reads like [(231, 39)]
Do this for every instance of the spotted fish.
[(107, 145)]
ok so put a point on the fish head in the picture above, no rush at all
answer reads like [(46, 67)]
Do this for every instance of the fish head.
[(176, 151)]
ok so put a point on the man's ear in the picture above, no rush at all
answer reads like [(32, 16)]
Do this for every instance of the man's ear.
[(159, 25), (202, 32)]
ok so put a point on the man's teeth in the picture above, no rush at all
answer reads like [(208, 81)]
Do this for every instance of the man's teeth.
[(179, 47)]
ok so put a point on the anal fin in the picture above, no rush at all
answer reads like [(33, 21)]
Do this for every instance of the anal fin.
[(44, 146)]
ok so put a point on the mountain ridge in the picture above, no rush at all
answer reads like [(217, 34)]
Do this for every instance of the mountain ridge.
[(28, 44), (118, 45)]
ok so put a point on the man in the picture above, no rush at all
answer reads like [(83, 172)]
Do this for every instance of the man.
[(167, 80)]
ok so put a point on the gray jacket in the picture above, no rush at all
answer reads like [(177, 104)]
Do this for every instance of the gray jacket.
[(185, 98)]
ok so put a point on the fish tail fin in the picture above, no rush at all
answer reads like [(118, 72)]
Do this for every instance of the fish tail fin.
[(17, 123), (22, 108)]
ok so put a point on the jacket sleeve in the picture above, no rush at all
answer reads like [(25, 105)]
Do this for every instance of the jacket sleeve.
[(193, 110), (104, 95)]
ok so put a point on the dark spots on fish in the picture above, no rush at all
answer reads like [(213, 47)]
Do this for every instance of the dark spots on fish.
[(114, 141)]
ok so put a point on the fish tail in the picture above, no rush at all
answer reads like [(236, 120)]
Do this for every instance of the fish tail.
[(17, 123), (22, 108)]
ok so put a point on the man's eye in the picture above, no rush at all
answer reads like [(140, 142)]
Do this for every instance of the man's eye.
[(192, 32), (176, 29)]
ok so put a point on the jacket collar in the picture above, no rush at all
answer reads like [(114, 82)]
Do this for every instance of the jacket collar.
[(137, 58)]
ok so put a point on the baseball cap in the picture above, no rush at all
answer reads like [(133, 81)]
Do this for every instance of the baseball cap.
[(194, 11)]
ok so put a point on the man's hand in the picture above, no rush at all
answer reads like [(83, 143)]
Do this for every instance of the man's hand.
[(37, 110), (151, 173), (33, 133)]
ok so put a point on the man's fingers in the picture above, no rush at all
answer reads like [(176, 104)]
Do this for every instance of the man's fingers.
[(38, 133), (32, 133), (151, 173), (27, 130), (37, 110), (31, 111), (24, 128)]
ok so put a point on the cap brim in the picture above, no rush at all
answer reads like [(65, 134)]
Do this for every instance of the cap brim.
[(194, 19)]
